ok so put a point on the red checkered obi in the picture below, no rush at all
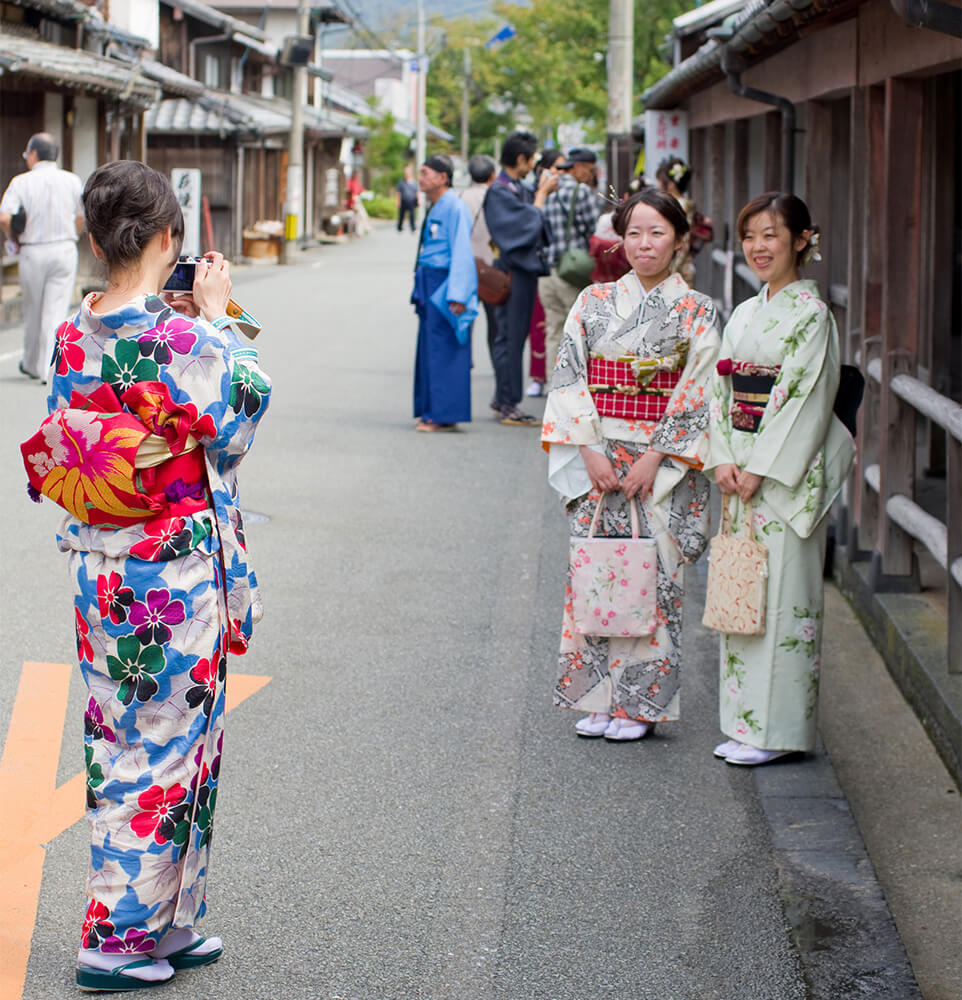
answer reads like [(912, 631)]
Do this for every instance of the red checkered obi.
[(618, 392)]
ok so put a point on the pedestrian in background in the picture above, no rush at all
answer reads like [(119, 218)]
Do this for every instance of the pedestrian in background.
[(519, 230), (537, 364), (50, 198), (482, 170), (674, 177), (406, 198), (164, 587), (612, 429), (574, 199), (445, 296), (775, 443)]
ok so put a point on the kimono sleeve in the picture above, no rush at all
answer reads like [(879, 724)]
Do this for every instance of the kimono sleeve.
[(513, 224), (683, 430), (570, 416), (463, 275), (798, 414), (719, 406)]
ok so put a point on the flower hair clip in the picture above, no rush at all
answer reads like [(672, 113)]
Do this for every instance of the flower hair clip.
[(677, 171), (811, 251)]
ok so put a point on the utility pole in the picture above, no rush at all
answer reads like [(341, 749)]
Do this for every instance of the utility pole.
[(294, 203), (465, 104), (620, 67), (419, 142)]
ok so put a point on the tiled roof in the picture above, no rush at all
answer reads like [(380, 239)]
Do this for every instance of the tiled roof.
[(76, 69), (219, 113)]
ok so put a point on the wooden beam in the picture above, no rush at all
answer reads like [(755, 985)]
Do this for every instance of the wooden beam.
[(901, 249)]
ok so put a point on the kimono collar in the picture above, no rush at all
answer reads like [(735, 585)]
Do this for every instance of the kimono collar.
[(630, 294), (802, 285)]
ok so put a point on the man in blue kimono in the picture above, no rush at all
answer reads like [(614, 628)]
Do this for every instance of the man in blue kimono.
[(519, 231), (446, 299)]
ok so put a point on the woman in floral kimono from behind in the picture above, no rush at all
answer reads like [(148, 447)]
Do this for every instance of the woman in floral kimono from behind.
[(627, 414), (152, 408), (775, 442)]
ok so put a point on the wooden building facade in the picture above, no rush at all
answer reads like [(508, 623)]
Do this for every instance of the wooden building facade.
[(858, 109)]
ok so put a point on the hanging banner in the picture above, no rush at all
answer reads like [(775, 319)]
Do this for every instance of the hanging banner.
[(666, 134)]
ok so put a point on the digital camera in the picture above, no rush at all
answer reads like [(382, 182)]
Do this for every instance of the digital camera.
[(182, 277)]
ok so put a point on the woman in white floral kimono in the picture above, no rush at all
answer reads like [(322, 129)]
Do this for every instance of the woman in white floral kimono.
[(775, 442), (152, 408), (627, 415)]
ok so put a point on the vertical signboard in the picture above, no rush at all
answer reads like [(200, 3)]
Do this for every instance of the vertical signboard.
[(186, 184), (666, 134)]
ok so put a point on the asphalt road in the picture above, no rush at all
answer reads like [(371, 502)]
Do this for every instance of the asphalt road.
[(403, 814)]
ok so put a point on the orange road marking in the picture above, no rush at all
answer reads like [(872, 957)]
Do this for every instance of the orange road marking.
[(37, 809)]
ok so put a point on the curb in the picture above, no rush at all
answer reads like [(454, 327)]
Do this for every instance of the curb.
[(841, 925), (911, 637)]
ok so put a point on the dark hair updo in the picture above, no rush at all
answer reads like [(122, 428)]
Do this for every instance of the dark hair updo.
[(664, 204), (674, 169), (787, 207), (126, 204)]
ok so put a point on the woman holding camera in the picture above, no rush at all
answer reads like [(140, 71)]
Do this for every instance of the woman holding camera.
[(153, 405)]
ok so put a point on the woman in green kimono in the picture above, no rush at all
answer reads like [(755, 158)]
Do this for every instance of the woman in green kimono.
[(775, 442)]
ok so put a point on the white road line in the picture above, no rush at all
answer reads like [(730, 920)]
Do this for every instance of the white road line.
[(10, 355)]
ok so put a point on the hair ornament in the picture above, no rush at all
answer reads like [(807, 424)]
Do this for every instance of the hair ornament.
[(811, 251), (677, 171)]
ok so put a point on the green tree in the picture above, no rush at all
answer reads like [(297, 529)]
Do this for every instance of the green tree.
[(386, 152), (553, 71)]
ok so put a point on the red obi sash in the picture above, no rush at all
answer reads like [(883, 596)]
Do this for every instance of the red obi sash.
[(83, 458), (618, 392)]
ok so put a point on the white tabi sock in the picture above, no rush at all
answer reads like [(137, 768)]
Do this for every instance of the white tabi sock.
[(157, 972)]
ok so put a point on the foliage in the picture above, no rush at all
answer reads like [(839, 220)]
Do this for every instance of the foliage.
[(387, 151), (553, 72), (380, 206)]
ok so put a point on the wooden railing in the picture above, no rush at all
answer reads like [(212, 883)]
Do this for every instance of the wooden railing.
[(901, 515)]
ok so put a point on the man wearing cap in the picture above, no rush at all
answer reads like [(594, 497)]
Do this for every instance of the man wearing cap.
[(446, 298), (575, 177), (50, 198)]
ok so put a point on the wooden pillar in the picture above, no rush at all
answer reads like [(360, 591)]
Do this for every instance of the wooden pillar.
[(900, 314), (773, 151), (871, 156), (740, 156), (716, 168), (818, 182)]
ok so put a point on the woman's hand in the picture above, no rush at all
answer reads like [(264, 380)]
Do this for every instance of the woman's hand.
[(457, 308), (746, 485), (727, 478), (184, 304), (212, 285), (641, 475), (600, 470)]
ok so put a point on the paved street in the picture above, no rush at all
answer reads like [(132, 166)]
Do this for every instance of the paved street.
[(403, 814)]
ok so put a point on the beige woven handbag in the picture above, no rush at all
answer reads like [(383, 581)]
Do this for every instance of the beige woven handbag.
[(737, 578)]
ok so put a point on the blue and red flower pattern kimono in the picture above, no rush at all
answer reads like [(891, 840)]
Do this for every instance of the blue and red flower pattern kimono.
[(159, 605)]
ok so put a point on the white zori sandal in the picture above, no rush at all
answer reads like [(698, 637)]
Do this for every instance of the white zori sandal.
[(594, 725)]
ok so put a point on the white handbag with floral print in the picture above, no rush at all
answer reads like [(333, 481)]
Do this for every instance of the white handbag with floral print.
[(737, 578), (614, 581)]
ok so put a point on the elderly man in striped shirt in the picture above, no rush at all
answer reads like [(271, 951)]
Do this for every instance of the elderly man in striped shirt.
[(50, 198)]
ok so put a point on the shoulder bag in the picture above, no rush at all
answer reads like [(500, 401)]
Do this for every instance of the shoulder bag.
[(613, 581), (737, 578), (494, 285), (576, 264)]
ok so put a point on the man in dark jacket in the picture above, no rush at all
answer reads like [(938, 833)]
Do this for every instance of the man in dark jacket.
[(519, 231)]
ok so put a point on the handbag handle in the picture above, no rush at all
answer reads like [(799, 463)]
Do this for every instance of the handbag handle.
[(632, 506), (727, 520)]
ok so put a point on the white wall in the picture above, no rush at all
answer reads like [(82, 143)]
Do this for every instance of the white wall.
[(85, 136), (139, 17)]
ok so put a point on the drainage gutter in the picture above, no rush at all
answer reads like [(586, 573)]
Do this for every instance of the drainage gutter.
[(930, 14)]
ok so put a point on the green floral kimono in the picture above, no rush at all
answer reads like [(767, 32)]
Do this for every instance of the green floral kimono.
[(769, 683)]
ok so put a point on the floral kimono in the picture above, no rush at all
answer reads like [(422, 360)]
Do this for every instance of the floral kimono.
[(769, 683), (159, 602), (671, 329)]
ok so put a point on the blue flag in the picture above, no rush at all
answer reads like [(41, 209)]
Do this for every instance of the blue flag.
[(502, 36)]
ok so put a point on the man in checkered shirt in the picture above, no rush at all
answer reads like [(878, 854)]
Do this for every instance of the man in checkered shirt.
[(557, 296)]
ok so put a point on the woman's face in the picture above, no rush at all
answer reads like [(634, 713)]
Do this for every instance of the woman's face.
[(770, 249), (650, 243)]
